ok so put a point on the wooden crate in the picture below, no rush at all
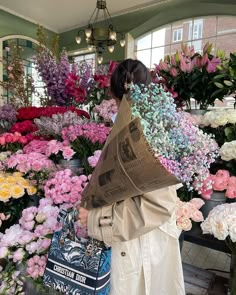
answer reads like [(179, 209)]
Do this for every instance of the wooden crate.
[(197, 280)]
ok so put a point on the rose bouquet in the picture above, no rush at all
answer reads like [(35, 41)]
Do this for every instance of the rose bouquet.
[(31, 113), (12, 141), (65, 187), (182, 148), (32, 161), (15, 191), (24, 127), (187, 211), (221, 181)]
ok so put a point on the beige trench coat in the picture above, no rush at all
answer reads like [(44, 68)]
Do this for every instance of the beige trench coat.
[(145, 248)]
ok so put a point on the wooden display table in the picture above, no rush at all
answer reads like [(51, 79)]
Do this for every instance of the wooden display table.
[(196, 236)]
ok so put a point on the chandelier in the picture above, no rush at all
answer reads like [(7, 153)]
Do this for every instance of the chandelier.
[(100, 38)]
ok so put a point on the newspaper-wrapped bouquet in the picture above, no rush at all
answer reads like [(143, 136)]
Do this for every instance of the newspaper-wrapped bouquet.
[(151, 146)]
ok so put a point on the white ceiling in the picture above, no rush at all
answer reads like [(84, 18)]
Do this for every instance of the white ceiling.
[(60, 16)]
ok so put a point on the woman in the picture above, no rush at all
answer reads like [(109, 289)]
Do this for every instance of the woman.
[(141, 230)]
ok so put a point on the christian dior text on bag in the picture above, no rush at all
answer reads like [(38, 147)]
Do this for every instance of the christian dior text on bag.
[(77, 266)]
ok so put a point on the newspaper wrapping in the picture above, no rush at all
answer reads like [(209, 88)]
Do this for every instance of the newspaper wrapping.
[(126, 167)]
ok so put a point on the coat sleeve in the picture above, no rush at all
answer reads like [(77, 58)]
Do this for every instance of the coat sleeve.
[(133, 217)]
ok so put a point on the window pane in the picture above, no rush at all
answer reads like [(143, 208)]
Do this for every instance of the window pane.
[(188, 27), (197, 29), (199, 44), (227, 43), (161, 37), (144, 42), (158, 54), (226, 25), (145, 57)]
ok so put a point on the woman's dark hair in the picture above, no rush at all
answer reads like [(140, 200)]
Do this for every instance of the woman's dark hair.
[(128, 71)]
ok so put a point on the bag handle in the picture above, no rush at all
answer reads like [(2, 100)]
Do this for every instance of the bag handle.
[(67, 218)]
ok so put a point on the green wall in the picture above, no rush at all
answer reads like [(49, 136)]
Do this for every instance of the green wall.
[(13, 25)]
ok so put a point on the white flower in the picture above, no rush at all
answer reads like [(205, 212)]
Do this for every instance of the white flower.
[(228, 151), (231, 116), (219, 229), (221, 222), (220, 119), (3, 252), (232, 232)]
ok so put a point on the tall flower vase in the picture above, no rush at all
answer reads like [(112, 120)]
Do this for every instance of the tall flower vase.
[(217, 198)]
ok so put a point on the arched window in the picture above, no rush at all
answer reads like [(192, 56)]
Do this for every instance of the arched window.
[(29, 45), (218, 30)]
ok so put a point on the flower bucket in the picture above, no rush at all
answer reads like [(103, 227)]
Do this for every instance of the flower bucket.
[(71, 164), (197, 112), (217, 198)]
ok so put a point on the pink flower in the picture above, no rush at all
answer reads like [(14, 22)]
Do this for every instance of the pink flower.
[(67, 152), (197, 202), (197, 216), (231, 192), (184, 223), (220, 184), (18, 255), (3, 252)]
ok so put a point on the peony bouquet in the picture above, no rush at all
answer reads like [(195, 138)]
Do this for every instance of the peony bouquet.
[(182, 148)]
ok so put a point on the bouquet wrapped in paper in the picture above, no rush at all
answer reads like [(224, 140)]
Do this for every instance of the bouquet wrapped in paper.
[(151, 146)]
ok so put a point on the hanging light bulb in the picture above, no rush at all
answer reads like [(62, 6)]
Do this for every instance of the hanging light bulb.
[(122, 42), (88, 32), (111, 48), (78, 39), (112, 35), (100, 58)]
